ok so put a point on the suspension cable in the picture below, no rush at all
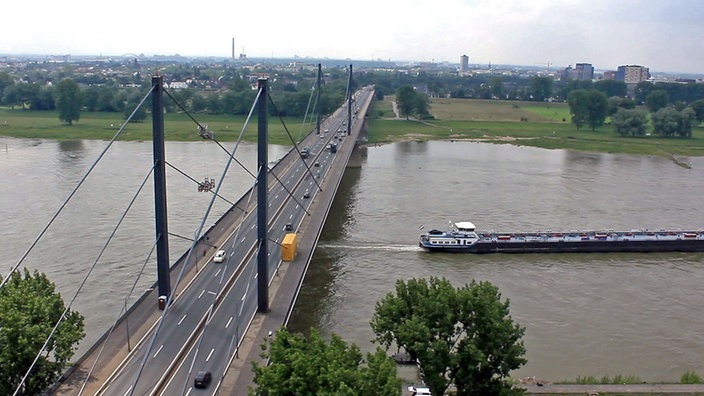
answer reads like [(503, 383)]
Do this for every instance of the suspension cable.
[(85, 279), (80, 183), (169, 298)]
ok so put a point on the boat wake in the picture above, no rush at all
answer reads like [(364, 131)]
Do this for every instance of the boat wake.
[(372, 247)]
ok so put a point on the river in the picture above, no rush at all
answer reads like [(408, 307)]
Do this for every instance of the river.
[(585, 314)]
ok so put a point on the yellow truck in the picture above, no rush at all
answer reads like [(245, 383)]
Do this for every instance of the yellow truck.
[(288, 247)]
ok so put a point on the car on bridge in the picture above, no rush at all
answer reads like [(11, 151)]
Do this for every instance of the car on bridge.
[(219, 256), (202, 379)]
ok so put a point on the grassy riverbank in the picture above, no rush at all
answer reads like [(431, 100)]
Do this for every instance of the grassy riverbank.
[(103, 126), (544, 125), (520, 123)]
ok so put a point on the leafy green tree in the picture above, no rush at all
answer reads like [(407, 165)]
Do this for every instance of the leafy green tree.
[(30, 308), (107, 99), (689, 120), (90, 98), (406, 100), (541, 88), (656, 100), (134, 97), (411, 102), (588, 107), (629, 122), (666, 121), (300, 366), (615, 103), (698, 107), (5, 81), (68, 101), (462, 336), (611, 88), (44, 100), (20, 94), (198, 103)]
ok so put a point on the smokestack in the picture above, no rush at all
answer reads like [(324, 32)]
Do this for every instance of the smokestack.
[(233, 48)]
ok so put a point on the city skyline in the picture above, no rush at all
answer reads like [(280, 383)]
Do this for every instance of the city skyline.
[(660, 35)]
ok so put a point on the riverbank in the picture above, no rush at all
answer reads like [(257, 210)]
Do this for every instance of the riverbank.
[(543, 125)]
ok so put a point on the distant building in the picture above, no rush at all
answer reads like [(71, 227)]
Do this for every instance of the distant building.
[(632, 74), (581, 71), (610, 75), (464, 63)]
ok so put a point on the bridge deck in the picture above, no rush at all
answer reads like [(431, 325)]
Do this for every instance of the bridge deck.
[(108, 355)]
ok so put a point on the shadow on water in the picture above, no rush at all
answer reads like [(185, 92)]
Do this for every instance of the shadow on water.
[(314, 300)]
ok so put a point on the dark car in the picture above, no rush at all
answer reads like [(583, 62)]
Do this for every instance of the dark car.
[(202, 379), (306, 194), (288, 227)]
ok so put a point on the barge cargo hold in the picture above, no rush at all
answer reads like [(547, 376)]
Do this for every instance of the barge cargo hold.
[(462, 237)]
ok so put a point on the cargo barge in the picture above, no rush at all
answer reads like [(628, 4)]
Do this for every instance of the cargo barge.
[(462, 237)]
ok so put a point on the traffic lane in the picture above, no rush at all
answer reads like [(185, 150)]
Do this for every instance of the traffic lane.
[(220, 337)]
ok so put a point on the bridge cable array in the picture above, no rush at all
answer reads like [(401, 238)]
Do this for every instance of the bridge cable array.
[(51, 221)]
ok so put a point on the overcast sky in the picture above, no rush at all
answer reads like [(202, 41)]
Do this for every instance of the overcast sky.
[(664, 35)]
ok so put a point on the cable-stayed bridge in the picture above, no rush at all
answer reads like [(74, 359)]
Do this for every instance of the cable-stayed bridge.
[(203, 315)]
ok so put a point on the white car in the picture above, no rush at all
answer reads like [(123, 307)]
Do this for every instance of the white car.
[(419, 391), (219, 256)]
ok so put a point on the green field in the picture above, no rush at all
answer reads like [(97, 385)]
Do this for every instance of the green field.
[(543, 125), (523, 123), (177, 127)]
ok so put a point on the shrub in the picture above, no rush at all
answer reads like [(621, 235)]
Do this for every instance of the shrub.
[(690, 377)]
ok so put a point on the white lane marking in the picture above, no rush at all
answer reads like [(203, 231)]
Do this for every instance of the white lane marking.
[(228, 322), (201, 293), (243, 296), (218, 272), (157, 351), (184, 317), (129, 390), (210, 354)]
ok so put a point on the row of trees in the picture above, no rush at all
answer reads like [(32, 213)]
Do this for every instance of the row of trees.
[(590, 107), (70, 99), (463, 337)]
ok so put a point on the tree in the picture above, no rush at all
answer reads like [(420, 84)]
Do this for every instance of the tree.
[(629, 122), (541, 88), (611, 88), (5, 81), (667, 121), (405, 100), (68, 101), (615, 103), (139, 114), (300, 366), (410, 102), (588, 107), (463, 336), (656, 100), (698, 107), (30, 309)]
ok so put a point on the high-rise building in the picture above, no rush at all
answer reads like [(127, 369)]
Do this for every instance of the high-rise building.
[(632, 74), (464, 63), (581, 71)]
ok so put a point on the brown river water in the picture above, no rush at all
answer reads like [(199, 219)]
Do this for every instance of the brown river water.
[(585, 314)]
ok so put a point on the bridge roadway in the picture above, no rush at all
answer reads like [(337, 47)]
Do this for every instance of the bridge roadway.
[(212, 323)]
